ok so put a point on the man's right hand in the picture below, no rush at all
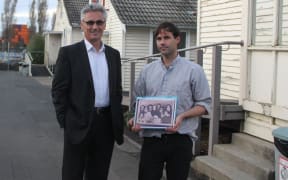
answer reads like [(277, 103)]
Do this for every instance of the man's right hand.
[(133, 127)]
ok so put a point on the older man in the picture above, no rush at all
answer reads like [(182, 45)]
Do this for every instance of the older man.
[(87, 96)]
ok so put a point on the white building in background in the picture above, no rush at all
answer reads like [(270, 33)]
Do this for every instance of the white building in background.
[(254, 74), (129, 28)]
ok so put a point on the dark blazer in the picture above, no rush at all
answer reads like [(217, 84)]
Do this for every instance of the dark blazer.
[(73, 91)]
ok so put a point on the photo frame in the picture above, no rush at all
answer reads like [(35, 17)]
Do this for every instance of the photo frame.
[(155, 112)]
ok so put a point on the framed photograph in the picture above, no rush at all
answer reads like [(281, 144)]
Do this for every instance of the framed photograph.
[(155, 112)]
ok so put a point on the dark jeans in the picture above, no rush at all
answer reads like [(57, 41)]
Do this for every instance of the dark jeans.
[(174, 151), (92, 157)]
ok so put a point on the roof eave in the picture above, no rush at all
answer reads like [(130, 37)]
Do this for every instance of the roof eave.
[(154, 26)]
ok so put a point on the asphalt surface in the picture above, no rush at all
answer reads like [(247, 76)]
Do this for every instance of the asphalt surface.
[(31, 140)]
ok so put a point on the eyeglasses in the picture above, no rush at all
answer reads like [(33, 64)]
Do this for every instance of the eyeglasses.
[(91, 23)]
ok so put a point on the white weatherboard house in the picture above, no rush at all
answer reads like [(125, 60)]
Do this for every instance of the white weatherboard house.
[(66, 29), (255, 74), (129, 27)]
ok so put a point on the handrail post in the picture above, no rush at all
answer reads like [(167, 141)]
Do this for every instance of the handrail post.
[(149, 60), (215, 92), (197, 144), (132, 81), (199, 57)]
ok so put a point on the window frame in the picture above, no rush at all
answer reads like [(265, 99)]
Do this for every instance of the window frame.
[(277, 24)]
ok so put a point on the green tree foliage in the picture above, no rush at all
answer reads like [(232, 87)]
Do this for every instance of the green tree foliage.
[(36, 48)]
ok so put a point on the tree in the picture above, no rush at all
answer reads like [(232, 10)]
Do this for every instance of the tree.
[(32, 19), (7, 18), (42, 15)]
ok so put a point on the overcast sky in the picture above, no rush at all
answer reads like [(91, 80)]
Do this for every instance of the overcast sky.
[(22, 11)]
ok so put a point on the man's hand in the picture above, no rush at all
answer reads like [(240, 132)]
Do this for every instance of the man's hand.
[(133, 127), (176, 126), (193, 112)]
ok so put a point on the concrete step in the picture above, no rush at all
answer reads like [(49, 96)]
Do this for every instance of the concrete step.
[(254, 145), (246, 161), (217, 169)]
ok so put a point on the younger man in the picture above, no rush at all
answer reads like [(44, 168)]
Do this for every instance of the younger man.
[(171, 75)]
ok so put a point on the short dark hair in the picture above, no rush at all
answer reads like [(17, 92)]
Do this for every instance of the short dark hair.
[(168, 26)]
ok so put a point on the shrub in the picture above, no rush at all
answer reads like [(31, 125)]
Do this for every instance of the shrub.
[(36, 48)]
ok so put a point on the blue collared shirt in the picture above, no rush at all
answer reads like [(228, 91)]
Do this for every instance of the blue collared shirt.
[(184, 79), (99, 70)]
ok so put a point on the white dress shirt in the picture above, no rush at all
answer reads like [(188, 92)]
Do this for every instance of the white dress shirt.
[(99, 70)]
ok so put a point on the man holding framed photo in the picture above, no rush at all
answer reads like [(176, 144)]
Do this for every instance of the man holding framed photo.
[(171, 75)]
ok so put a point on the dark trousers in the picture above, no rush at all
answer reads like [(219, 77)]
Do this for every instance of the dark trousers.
[(174, 151), (91, 158)]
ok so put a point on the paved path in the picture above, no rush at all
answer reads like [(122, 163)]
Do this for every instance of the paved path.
[(30, 139)]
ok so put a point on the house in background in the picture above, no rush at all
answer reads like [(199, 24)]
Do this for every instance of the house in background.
[(129, 27), (255, 74), (132, 22), (66, 29)]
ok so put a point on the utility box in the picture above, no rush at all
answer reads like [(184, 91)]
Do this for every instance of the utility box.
[(281, 153)]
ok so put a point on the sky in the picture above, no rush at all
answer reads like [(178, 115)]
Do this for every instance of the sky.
[(22, 11)]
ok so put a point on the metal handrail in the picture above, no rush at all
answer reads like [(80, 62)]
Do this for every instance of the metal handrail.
[(190, 49), (28, 53), (29, 61)]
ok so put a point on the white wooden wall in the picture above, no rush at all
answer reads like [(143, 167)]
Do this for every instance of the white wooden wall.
[(218, 21), (115, 28), (77, 35), (52, 44), (264, 69), (137, 44)]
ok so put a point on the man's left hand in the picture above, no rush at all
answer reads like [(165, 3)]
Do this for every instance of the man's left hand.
[(176, 126)]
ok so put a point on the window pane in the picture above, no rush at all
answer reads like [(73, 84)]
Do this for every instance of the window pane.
[(284, 23), (263, 27)]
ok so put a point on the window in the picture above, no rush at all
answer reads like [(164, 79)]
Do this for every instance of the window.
[(270, 22), (263, 22), (283, 22)]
